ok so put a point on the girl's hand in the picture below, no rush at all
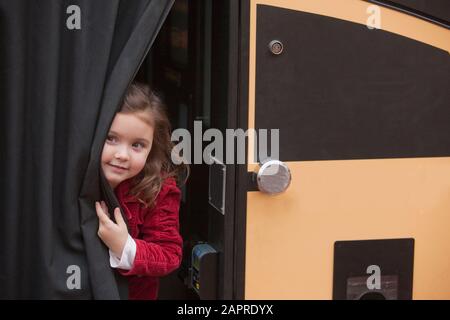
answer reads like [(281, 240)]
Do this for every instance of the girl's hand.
[(114, 235)]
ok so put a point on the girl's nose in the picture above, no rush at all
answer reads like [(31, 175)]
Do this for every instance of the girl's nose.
[(122, 154)]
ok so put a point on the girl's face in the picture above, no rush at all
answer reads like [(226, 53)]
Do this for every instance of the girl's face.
[(127, 146)]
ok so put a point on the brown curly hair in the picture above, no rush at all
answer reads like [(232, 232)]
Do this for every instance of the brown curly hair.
[(159, 166)]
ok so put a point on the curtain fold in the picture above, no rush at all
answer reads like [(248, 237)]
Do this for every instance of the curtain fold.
[(60, 90)]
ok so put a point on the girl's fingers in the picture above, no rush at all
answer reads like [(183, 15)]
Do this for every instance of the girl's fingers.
[(118, 216), (105, 208), (100, 214)]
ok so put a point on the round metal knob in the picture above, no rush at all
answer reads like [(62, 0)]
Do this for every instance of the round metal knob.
[(273, 177), (276, 47)]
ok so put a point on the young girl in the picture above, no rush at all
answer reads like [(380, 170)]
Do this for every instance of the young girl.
[(137, 164)]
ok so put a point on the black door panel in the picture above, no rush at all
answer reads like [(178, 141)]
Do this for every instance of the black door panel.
[(342, 91)]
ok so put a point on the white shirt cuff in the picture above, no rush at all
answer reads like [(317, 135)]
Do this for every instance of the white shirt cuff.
[(127, 259)]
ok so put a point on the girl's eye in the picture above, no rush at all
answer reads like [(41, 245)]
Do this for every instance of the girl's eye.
[(138, 145), (111, 139)]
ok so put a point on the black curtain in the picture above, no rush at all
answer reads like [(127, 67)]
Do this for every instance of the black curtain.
[(60, 89)]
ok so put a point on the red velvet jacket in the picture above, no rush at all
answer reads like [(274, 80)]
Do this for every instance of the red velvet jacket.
[(156, 233)]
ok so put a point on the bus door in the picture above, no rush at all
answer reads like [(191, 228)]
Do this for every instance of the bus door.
[(359, 94)]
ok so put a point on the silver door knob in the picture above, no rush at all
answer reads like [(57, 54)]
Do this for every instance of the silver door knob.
[(273, 177), (276, 47)]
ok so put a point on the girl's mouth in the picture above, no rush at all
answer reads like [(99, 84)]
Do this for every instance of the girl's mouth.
[(118, 168)]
